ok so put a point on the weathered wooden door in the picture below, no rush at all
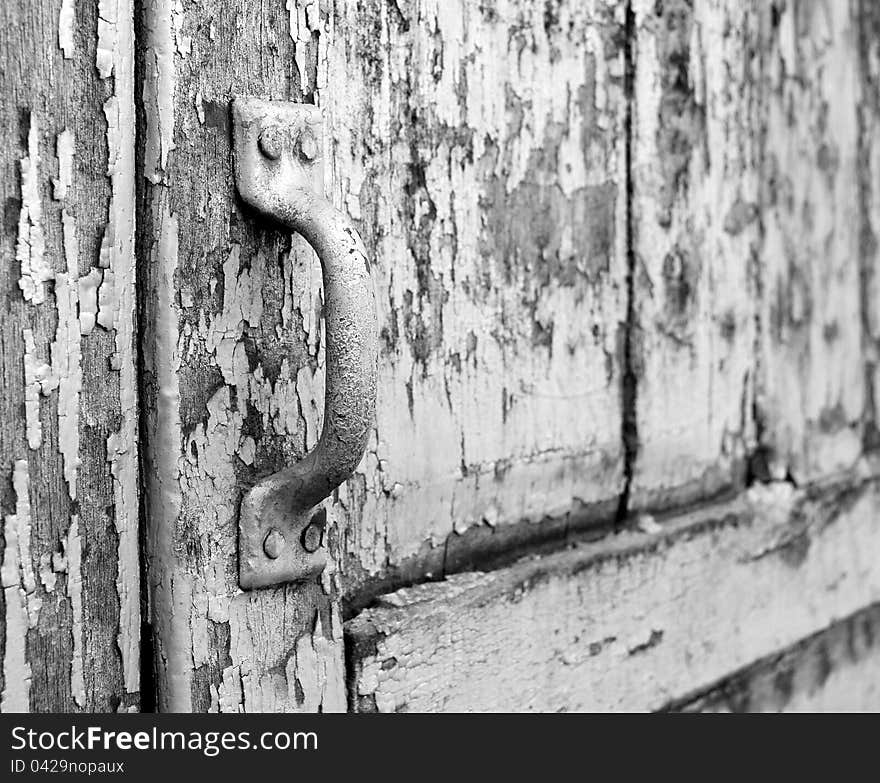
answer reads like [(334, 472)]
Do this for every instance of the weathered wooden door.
[(624, 451)]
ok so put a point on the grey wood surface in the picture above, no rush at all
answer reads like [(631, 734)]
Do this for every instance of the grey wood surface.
[(70, 635)]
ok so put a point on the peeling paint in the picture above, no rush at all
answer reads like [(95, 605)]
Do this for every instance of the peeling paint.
[(293, 26), (224, 349), (64, 146), (38, 379), (109, 48), (66, 357), (182, 43), (304, 20), (18, 582), (318, 672), (73, 554), (489, 130), (48, 575), (116, 311), (417, 85), (620, 624), (76, 390), (158, 89), (88, 300), (31, 245)]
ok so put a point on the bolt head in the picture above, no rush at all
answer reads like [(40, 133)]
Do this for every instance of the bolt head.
[(308, 145), (273, 544), (311, 537), (271, 143)]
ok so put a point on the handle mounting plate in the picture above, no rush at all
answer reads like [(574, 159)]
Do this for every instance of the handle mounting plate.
[(277, 545)]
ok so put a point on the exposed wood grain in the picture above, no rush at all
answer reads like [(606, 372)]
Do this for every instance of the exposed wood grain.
[(68, 415), (836, 670), (630, 623)]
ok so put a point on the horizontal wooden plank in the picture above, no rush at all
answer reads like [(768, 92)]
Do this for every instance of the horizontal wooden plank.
[(836, 670), (632, 622)]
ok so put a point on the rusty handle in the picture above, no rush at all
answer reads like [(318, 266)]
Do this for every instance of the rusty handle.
[(276, 162)]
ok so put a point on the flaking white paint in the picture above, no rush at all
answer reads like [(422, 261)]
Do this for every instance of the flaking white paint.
[(31, 245), (88, 300), (158, 89), (66, 22), (67, 361), (70, 307), (17, 577), (64, 148), (317, 668), (109, 47), (182, 42), (38, 379), (479, 422), (116, 311), (73, 555)]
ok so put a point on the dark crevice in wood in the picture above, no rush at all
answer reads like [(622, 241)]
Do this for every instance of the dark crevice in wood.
[(629, 378), (142, 254), (760, 456), (485, 548)]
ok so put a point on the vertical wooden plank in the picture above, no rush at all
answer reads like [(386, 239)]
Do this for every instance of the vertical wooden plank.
[(812, 396), (231, 326), (747, 207), (481, 147), (68, 412), (696, 237), (869, 206)]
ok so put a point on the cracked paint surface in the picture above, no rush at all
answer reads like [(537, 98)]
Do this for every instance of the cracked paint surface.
[(68, 437), (30, 251)]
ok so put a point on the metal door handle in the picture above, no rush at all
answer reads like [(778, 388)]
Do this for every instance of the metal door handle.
[(277, 151)]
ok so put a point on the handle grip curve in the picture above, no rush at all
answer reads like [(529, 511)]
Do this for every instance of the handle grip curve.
[(276, 152)]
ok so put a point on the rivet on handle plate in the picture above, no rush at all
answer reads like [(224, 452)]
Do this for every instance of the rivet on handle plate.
[(278, 167)]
